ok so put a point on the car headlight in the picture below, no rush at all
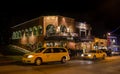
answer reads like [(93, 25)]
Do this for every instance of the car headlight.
[(30, 56), (89, 55), (82, 55)]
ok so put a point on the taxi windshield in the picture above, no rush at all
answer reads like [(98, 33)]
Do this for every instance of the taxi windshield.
[(39, 50)]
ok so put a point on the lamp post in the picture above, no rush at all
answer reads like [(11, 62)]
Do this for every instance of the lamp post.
[(108, 39), (108, 34)]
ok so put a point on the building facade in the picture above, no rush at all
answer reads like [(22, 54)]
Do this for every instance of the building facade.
[(112, 43), (43, 31), (100, 43), (51, 31), (85, 39)]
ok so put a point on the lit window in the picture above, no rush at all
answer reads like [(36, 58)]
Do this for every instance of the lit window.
[(26, 33), (30, 31), (63, 28), (20, 34), (50, 30), (14, 35), (35, 31), (83, 26), (17, 35), (40, 30), (113, 40)]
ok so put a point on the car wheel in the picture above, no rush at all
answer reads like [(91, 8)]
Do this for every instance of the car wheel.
[(38, 61), (63, 60)]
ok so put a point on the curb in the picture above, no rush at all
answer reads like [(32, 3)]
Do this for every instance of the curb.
[(6, 62)]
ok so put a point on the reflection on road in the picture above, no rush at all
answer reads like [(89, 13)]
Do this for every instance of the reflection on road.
[(83, 62), (111, 65), (86, 62)]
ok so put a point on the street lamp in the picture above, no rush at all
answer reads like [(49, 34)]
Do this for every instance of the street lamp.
[(109, 34), (108, 40)]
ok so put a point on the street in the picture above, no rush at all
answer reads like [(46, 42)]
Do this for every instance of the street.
[(109, 66)]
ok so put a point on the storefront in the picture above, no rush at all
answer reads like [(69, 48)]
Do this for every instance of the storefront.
[(44, 30)]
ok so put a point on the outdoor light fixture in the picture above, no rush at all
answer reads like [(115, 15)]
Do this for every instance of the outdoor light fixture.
[(68, 29), (24, 39), (109, 33)]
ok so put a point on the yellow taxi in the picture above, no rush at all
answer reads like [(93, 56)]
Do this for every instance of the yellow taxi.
[(48, 54), (94, 54)]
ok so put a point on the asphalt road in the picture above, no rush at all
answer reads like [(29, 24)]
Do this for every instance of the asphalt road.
[(109, 66)]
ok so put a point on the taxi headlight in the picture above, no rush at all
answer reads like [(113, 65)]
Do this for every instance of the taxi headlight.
[(30, 56), (82, 55), (89, 55)]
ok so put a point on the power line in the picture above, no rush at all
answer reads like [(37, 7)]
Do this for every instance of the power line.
[(115, 29)]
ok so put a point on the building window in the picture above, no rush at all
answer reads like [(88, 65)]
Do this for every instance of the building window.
[(50, 30), (82, 34), (20, 34), (63, 28), (35, 31), (40, 30), (30, 31), (26, 33), (14, 35), (17, 35)]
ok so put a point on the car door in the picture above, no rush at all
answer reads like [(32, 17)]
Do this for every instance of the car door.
[(48, 55), (57, 54), (97, 54), (100, 54)]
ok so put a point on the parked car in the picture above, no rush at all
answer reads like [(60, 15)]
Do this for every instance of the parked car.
[(115, 53), (94, 54), (49, 54), (107, 51)]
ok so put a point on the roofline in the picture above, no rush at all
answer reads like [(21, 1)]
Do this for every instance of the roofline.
[(58, 16), (25, 22), (37, 18)]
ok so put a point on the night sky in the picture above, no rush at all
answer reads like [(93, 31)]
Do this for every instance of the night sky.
[(102, 15)]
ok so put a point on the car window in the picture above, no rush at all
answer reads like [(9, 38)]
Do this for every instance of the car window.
[(49, 50), (57, 50), (39, 50), (62, 50)]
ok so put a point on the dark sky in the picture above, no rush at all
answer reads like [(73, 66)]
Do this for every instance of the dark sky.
[(102, 15)]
